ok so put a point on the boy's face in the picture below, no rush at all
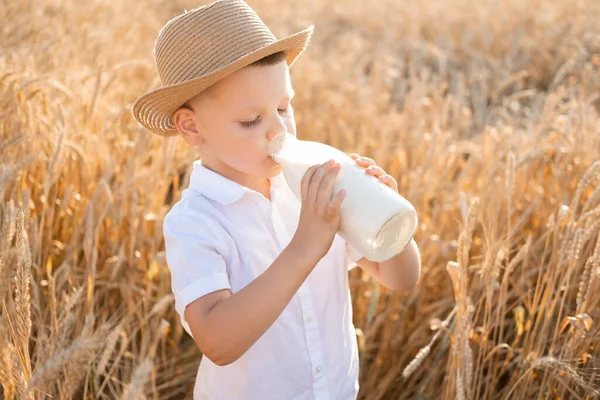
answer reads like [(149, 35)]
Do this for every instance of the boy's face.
[(234, 121)]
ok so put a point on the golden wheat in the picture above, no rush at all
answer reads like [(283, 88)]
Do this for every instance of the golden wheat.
[(457, 100)]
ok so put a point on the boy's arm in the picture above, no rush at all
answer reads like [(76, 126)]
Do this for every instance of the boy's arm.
[(399, 273), (225, 325)]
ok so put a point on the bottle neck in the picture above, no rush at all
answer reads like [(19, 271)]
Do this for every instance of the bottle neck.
[(280, 145)]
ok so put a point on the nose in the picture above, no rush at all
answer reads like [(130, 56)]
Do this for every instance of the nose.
[(278, 126)]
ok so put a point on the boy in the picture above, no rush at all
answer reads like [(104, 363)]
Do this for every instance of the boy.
[(260, 279)]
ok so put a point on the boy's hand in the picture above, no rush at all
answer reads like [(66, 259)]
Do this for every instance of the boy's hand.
[(320, 212), (371, 168)]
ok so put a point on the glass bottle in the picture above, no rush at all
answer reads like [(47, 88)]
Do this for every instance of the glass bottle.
[(374, 219)]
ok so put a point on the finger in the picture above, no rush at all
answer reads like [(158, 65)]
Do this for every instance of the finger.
[(389, 181), (354, 156), (326, 188), (365, 162), (368, 160), (375, 170), (315, 182), (335, 203), (305, 182)]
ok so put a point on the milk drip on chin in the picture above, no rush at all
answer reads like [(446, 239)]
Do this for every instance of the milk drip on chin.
[(374, 219)]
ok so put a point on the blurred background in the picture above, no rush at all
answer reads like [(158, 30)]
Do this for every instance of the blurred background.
[(486, 113)]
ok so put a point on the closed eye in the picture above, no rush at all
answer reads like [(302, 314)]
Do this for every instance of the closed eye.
[(249, 124)]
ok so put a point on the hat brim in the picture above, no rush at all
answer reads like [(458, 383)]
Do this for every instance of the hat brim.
[(154, 109)]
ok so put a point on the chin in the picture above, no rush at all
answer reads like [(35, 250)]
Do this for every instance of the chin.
[(276, 168), (270, 170)]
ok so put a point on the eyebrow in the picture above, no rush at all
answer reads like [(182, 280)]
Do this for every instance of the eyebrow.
[(253, 109)]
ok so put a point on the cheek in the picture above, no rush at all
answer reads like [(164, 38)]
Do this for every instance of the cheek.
[(245, 143)]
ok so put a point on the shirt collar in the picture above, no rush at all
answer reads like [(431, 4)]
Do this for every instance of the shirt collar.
[(216, 187)]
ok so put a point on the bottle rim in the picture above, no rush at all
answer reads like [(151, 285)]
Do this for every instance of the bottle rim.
[(277, 144)]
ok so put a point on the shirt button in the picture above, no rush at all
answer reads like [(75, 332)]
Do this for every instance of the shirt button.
[(319, 369), (309, 317)]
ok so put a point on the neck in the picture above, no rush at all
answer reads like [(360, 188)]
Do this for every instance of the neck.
[(260, 185)]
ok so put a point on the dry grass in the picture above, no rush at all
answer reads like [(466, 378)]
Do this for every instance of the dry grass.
[(486, 113)]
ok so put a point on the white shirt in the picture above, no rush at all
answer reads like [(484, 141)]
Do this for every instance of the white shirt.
[(222, 235)]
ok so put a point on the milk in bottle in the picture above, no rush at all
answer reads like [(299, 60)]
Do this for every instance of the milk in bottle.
[(376, 220)]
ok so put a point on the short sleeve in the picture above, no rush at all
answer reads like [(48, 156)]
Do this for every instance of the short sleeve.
[(353, 255), (193, 251)]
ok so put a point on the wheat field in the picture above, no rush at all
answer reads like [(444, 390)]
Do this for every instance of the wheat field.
[(486, 113)]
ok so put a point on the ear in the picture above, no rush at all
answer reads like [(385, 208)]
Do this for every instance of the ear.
[(188, 125)]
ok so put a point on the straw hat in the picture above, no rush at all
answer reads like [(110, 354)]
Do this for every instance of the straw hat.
[(198, 48)]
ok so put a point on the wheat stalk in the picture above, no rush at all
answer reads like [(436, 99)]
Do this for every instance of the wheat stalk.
[(109, 348), (22, 296), (591, 174), (6, 366), (77, 353), (7, 226), (437, 101), (571, 373), (586, 278), (138, 380), (424, 351)]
